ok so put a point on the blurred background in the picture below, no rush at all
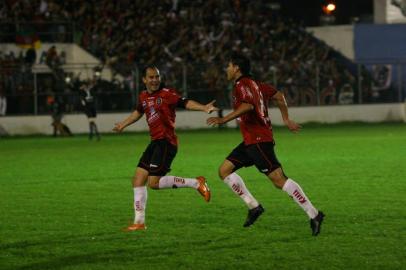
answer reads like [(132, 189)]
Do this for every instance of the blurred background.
[(319, 53)]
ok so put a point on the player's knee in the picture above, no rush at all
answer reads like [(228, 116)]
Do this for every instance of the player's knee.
[(278, 183), (153, 184), (138, 181), (223, 173), (278, 178)]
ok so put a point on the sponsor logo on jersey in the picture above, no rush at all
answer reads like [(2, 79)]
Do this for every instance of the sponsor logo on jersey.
[(152, 116), (158, 101)]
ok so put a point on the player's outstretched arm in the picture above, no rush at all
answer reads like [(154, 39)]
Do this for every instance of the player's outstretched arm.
[(280, 100), (134, 117), (196, 106), (243, 108)]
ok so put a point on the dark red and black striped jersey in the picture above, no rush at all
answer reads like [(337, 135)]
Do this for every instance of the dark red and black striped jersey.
[(159, 108), (255, 125)]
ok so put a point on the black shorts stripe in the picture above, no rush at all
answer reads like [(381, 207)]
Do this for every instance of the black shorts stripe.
[(263, 155), (235, 160), (162, 162)]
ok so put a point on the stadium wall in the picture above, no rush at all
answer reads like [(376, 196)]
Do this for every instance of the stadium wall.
[(29, 125), (339, 37)]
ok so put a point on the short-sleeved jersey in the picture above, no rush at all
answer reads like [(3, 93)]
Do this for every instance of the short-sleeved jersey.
[(267, 91), (255, 125), (159, 108)]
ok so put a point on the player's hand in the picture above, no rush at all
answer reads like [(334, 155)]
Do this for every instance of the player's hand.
[(209, 107), (292, 126), (213, 121), (118, 127)]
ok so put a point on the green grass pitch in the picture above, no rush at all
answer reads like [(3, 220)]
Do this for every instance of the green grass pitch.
[(64, 201)]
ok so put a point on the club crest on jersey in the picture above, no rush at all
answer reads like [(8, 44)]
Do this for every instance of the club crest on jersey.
[(158, 101)]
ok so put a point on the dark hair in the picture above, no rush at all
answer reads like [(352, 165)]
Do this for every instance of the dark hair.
[(242, 62), (144, 70)]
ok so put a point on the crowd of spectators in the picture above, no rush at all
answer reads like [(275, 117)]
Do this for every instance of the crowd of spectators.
[(16, 82), (197, 37), (200, 35), (51, 20)]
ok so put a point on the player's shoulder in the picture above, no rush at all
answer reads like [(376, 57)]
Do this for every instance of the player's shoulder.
[(266, 87), (170, 91), (143, 94), (263, 85), (246, 84), (245, 80)]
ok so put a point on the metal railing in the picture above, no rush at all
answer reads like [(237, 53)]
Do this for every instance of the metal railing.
[(28, 89)]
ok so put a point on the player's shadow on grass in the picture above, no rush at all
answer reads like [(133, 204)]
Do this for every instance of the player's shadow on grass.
[(32, 181), (117, 256)]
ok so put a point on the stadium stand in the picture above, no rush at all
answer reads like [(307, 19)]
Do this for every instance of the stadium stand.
[(190, 41)]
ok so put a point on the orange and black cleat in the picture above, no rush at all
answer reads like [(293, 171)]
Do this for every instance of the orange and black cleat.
[(203, 188), (135, 227)]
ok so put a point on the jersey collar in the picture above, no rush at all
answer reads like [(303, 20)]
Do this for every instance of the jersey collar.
[(154, 93), (241, 77)]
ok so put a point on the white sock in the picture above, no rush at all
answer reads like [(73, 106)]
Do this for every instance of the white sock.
[(235, 182), (140, 203), (177, 182), (296, 192)]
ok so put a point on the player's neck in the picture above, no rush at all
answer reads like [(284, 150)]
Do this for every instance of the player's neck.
[(150, 91), (238, 76)]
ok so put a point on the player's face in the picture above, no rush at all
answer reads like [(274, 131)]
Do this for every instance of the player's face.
[(231, 71), (152, 79)]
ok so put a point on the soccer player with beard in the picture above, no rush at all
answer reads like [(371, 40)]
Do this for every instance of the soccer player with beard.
[(250, 100), (158, 104)]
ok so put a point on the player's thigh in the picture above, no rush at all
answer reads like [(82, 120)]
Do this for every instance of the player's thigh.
[(145, 159), (162, 157), (264, 157)]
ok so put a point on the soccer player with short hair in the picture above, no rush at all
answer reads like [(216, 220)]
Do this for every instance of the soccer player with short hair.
[(250, 100), (159, 104)]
